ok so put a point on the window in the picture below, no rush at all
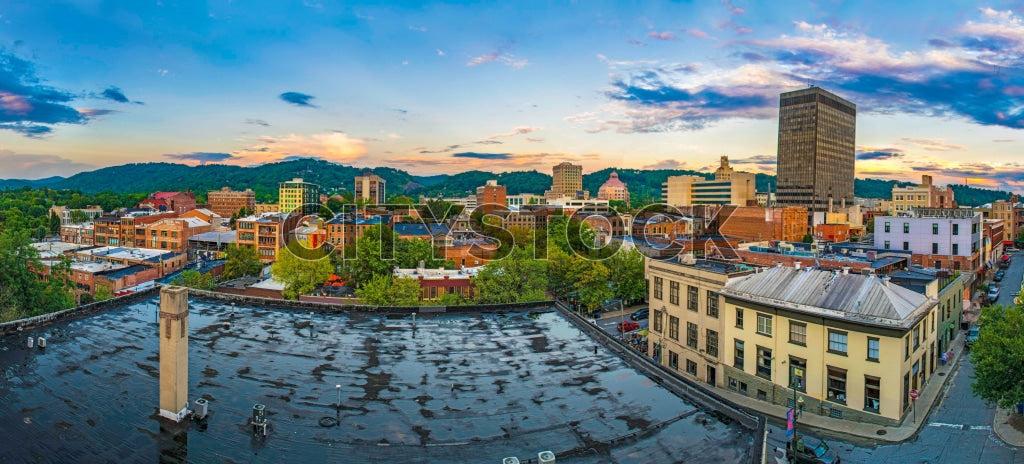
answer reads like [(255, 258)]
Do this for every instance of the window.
[(658, 287), (956, 229), (872, 386), (691, 335), (673, 360), (673, 292), (934, 316), (906, 227), (673, 328), (872, 349), (906, 245), (917, 337), (836, 385), (739, 318), (712, 304), (657, 321), (764, 324), (935, 248), (837, 342), (764, 362), (886, 244), (798, 374), (887, 226), (711, 343), (691, 367), (906, 347), (956, 248), (691, 297), (935, 228), (798, 333), (737, 356), (906, 391)]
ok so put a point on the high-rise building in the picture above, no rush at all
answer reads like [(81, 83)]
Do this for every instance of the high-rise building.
[(817, 135), (296, 196), (226, 202), (727, 188), (613, 189), (491, 196), (371, 187), (566, 181)]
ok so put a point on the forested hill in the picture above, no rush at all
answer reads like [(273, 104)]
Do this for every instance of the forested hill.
[(644, 185)]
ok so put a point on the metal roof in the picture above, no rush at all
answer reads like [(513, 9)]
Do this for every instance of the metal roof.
[(858, 298)]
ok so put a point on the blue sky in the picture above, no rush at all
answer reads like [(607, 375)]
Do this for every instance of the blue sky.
[(445, 87)]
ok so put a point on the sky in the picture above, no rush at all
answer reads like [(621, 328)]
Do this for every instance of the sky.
[(447, 87)]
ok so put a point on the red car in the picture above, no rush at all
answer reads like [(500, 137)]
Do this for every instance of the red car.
[(626, 326)]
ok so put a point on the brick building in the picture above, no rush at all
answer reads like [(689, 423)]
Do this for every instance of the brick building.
[(175, 202), (226, 202), (755, 224), (491, 197)]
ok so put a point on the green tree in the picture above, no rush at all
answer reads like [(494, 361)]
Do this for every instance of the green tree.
[(375, 254), (78, 216), (808, 238), (410, 251), (451, 299), (627, 274), (54, 223), (384, 290), (192, 278), (300, 276), (515, 278), (242, 260), (103, 293), (561, 268), (998, 355), (592, 284)]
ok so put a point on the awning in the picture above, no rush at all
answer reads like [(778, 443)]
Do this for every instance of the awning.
[(643, 333)]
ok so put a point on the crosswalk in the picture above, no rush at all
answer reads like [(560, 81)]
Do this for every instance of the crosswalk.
[(960, 426)]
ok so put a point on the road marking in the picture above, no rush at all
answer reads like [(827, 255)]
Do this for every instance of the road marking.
[(960, 426)]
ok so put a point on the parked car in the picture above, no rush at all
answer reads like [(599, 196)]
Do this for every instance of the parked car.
[(999, 276), (626, 326), (993, 293), (972, 335), (640, 314), (812, 451)]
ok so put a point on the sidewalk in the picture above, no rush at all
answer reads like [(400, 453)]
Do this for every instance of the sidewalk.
[(1006, 432), (911, 424)]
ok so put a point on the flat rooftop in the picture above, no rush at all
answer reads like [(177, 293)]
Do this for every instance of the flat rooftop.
[(469, 388)]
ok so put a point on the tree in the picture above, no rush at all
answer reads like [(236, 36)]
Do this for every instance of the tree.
[(998, 355), (242, 260), (192, 278), (451, 299), (375, 254), (78, 216), (54, 223), (300, 276), (383, 290), (627, 274), (515, 278), (103, 293), (410, 251), (592, 283), (808, 238)]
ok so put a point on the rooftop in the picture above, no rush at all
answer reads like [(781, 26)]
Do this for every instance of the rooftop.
[(440, 388), (417, 273), (853, 297), (115, 252), (53, 249), (216, 236), (93, 268)]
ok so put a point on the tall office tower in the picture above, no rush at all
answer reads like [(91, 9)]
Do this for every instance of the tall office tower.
[(817, 135), (566, 181), (296, 196), (371, 187)]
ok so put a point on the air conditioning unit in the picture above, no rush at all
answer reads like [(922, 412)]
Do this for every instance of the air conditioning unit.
[(512, 460), (546, 457), (202, 408)]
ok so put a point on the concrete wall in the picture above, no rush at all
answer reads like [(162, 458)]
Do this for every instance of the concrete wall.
[(339, 307)]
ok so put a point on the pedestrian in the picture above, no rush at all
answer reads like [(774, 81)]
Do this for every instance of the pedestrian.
[(942, 360), (949, 355)]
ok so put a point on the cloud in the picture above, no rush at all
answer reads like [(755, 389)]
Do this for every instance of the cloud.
[(447, 149), (297, 99), (661, 35), (534, 139), (762, 161), (637, 43), (877, 155), (735, 10), (26, 166), (301, 157), (697, 33), (516, 131), (336, 147), (934, 144), (201, 157), (488, 142), (1004, 140), (501, 55), (485, 156), (96, 112), (29, 107), (257, 122), (667, 164), (418, 28), (114, 94), (440, 52)]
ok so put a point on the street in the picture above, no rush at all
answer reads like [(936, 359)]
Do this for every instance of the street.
[(1011, 282), (608, 323)]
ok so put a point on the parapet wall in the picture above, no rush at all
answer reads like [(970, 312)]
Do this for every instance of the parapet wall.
[(325, 306), (12, 327)]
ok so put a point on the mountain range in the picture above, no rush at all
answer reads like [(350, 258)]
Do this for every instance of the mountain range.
[(263, 179)]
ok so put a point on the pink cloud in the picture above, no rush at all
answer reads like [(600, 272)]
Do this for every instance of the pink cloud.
[(661, 35), (14, 104)]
